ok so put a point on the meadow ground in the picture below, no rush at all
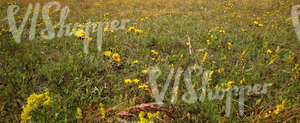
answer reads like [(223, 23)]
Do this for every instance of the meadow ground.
[(241, 42)]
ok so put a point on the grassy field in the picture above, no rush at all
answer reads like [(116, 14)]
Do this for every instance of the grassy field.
[(243, 42)]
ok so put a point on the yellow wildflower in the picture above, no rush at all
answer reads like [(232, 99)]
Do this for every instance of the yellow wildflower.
[(79, 114), (217, 86), (144, 71), (154, 52), (188, 115), (229, 83), (242, 80), (107, 53), (144, 86), (131, 29), (277, 49), (79, 33), (152, 116), (210, 75), (116, 57), (128, 81), (255, 22), (274, 57), (224, 57), (214, 62), (141, 117), (267, 114), (200, 50), (208, 42), (244, 30), (136, 80), (279, 107), (102, 110), (229, 45), (220, 70), (138, 31), (89, 39), (204, 57), (269, 51), (243, 53), (105, 29), (135, 61), (33, 102)]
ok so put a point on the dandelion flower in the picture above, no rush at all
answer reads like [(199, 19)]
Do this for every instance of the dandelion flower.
[(229, 83), (269, 51), (255, 22), (136, 80), (107, 53), (144, 71), (208, 42), (154, 52), (79, 33), (135, 61), (131, 29), (128, 81), (144, 86), (116, 57)]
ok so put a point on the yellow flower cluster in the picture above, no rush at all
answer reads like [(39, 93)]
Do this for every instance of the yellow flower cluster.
[(154, 52), (33, 102), (102, 110), (144, 86), (151, 117), (115, 56), (81, 34), (269, 51), (132, 29), (129, 81), (208, 42), (227, 84), (296, 70), (243, 55), (278, 109), (144, 71), (107, 53), (275, 55), (258, 24), (135, 61)]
